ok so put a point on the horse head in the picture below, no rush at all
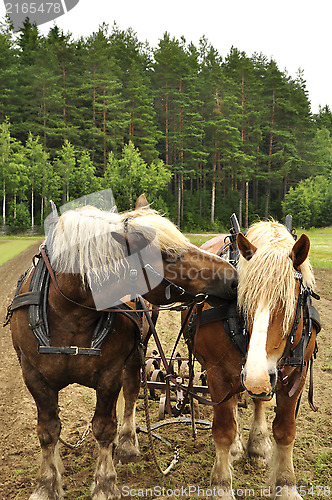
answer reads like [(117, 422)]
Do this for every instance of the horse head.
[(174, 270), (268, 294), (137, 252)]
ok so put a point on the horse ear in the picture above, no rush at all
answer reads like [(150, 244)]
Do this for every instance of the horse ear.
[(300, 250), (246, 248), (142, 202)]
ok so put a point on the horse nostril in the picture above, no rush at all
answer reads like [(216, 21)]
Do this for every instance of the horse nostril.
[(273, 379), (243, 377)]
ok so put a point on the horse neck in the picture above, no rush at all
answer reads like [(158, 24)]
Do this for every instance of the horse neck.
[(73, 288)]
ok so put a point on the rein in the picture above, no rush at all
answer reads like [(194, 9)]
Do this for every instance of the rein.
[(294, 356), (195, 299)]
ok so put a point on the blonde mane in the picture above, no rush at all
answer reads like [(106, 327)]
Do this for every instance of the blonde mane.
[(268, 277), (82, 241)]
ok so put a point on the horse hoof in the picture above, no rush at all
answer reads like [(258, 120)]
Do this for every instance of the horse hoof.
[(221, 489), (237, 450), (44, 493), (287, 493), (260, 449), (219, 492), (126, 452), (111, 493)]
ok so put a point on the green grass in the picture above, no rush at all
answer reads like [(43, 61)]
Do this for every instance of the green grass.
[(10, 247), (320, 250), (321, 246), (199, 239)]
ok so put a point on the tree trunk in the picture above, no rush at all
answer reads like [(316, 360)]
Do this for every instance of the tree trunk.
[(104, 131), (166, 129), (268, 189), (32, 205), (64, 93), (285, 187), (179, 201), (240, 212), (247, 204), (181, 197), (42, 210), (213, 190), (4, 203), (267, 201), (44, 116)]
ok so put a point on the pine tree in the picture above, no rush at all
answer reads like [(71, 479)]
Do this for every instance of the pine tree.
[(133, 68), (8, 72), (109, 117), (131, 176), (5, 149), (39, 173), (65, 164)]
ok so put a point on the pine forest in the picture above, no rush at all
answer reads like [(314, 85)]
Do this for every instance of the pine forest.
[(203, 134)]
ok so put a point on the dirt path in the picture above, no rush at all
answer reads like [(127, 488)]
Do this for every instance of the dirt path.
[(19, 448)]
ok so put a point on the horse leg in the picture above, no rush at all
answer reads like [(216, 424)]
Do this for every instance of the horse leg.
[(284, 430), (224, 429), (259, 444), (104, 428), (237, 448), (48, 429), (127, 449)]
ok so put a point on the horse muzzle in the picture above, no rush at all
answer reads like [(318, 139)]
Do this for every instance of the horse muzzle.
[(224, 288), (260, 387)]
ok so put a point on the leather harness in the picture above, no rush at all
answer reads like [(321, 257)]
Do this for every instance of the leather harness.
[(233, 322), (37, 299), (237, 332)]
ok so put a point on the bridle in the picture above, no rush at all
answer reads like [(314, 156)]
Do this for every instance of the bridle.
[(170, 287), (294, 355)]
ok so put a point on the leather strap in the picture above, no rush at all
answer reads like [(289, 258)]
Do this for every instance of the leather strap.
[(26, 299), (73, 350)]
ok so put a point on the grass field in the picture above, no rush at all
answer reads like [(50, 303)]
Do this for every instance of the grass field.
[(320, 251), (12, 246)]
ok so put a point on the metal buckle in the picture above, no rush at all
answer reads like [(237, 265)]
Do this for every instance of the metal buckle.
[(133, 274), (204, 297), (298, 275), (76, 349)]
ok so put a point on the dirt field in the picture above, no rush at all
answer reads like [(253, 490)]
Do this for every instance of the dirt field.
[(19, 449)]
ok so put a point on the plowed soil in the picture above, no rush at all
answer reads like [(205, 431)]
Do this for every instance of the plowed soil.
[(19, 448)]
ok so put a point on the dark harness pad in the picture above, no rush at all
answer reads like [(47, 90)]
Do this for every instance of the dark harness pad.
[(232, 321), (235, 328), (37, 300)]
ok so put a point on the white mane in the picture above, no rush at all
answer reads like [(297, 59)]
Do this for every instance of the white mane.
[(268, 277), (82, 241)]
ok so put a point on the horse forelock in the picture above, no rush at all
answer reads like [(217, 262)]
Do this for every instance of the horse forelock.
[(267, 279), (169, 239), (82, 241)]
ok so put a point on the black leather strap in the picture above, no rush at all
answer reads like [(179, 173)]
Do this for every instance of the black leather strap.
[(73, 350), (232, 321), (26, 299)]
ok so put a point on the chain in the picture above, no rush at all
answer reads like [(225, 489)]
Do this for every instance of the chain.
[(80, 441), (147, 412)]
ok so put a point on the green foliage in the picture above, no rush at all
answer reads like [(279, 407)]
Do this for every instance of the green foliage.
[(21, 219), (311, 202), (131, 176), (203, 127)]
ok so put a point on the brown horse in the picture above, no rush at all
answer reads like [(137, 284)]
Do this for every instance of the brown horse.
[(87, 248), (274, 277)]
